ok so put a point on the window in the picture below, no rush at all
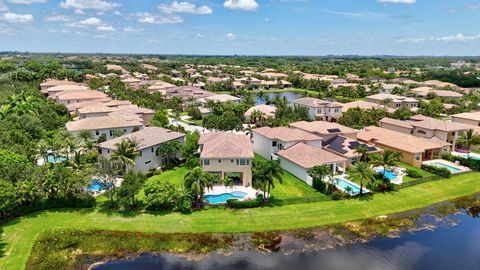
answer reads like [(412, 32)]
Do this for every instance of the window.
[(206, 162), (97, 132), (111, 132), (156, 152), (140, 153), (232, 161), (417, 157), (243, 162), (100, 151), (151, 150), (219, 161), (148, 162), (108, 151), (274, 143), (422, 132)]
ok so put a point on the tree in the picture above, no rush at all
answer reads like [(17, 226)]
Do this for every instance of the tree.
[(197, 181), (228, 183), (361, 172), (95, 83), (386, 160), (431, 108), (362, 151), (85, 135), (469, 139), (264, 174), (318, 174), (403, 113), (126, 153), (190, 149), (160, 194), (169, 149), (132, 183), (160, 118), (184, 200), (107, 172), (7, 198)]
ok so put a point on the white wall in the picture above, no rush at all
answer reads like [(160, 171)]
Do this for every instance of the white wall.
[(296, 170), (96, 133), (262, 146)]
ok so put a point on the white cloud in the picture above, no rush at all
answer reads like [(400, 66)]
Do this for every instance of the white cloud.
[(231, 36), (27, 2), (184, 7), (3, 7), (57, 18), (145, 17), (397, 1), (92, 21), (132, 29), (105, 28), (458, 38), (89, 4), (118, 13), (452, 38), (79, 12), (248, 5), (17, 18)]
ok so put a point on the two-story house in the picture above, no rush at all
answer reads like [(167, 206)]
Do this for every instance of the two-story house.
[(394, 101), (107, 126), (319, 109)]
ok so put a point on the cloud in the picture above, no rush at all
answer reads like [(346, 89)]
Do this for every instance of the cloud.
[(79, 12), (130, 29), (474, 7), (92, 21), (27, 2), (458, 38), (105, 28), (248, 5), (3, 7), (184, 7), (145, 17), (89, 4), (397, 1), (17, 18), (57, 18), (231, 36)]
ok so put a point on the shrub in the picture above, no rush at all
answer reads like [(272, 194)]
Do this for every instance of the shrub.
[(236, 204), (153, 172), (319, 185), (442, 172), (413, 173), (160, 195), (339, 195)]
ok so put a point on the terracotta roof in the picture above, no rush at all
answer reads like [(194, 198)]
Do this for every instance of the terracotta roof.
[(425, 90), (436, 124), (315, 102), (307, 156), (398, 140), (225, 145), (220, 98), (394, 98), (266, 110), (396, 122), (322, 127), (475, 116), (364, 105), (50, 83), (65, 87), (146, 137), (286, 134), (102, 122), (95, 108), (83, 94)]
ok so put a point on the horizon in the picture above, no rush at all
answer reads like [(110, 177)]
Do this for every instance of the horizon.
[(407, 28)]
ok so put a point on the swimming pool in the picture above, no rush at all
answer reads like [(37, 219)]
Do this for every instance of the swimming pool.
[(390, 175), (59, 159), (98, 186), (343, 184), (446, 166), (471, 156), (222, 198)]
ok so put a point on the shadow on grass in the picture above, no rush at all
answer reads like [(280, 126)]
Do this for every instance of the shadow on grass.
[(2, 244)]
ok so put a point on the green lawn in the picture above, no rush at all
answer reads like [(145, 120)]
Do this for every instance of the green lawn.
[(18, 236), (175, 176), (295, 190), (423, 173)]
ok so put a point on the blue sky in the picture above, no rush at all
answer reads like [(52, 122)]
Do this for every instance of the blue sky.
[(253, 27)]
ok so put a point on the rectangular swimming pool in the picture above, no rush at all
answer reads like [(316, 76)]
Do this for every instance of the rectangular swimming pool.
[(446, 166), (344, 184), (390, 175)]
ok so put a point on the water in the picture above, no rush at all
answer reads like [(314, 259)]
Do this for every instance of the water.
[(222, 198), (446, 166), (390, 175), (98, 186), (343, 184), (59, 159), (271, 96), (472, 155), (445, 248)]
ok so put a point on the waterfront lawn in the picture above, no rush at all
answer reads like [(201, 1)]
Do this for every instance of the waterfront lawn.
[(421, 172), (294, 190)]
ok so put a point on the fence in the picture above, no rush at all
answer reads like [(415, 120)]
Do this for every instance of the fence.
[(425, 180)]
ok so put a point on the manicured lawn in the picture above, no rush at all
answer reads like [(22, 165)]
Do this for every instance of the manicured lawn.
[(421, 172), (175, 176), (18, 236), (294, 189)]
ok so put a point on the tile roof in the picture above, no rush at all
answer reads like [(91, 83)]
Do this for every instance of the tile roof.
[(146, 137), (266, 110), (102, 122), (322, 127), (225, 145), (307, 156), (286, 134), (475, 116), (315, 102), (83, 94)]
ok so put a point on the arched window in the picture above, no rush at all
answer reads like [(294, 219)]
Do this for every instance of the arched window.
[(422, 132)]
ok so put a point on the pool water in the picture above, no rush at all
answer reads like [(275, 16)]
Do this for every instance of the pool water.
[(98, 186), (52, 159), (390, 175), (446, 166), (343, 184), (222, 198)]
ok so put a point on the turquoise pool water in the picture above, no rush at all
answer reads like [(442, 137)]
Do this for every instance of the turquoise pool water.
[(98, 186), (390, 175), (446, 166), (222, 198), (53, 159), (343, 184)]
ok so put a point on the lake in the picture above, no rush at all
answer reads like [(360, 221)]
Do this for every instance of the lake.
[(453, 244), (271, 96)]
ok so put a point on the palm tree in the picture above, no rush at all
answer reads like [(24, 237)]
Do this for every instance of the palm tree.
[(469, 139), (228, 183), (362, 151), (197, 181), (361, 172), (265, 172), (255, 116), (386, 160), (86, 135), (107, 172), (126, 153), (169, 149)]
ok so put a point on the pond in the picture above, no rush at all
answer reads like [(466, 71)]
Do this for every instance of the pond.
[(271, 96), (453, 244)]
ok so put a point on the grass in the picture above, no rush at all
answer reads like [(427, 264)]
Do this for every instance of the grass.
[(294, 189), (19, 235), (175, 176), (421, 172)]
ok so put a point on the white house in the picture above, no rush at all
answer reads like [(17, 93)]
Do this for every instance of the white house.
[(149, 139), (105, 125), (319, 109)]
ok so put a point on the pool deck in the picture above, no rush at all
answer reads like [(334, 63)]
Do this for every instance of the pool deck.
[(399, 171), (460, 167), (465, 155), (217, 190)]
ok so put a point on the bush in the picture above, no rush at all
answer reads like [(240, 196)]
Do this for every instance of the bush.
[(339, 195), (160, 195), (442, 172), (413, 173), (153, 172), (236, 204), (319, 185)]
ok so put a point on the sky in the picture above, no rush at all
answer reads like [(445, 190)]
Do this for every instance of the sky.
[(242, 27)]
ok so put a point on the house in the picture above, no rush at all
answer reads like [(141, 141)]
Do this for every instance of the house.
[(425, 90), (394, 101), (347, 148), (469, 118), (143, 113), (302, 157), (266, 111), (105, 125), (365, 105), (227, 154), (72, 97), (268, 141), (50, 91), (188, 93), (414, 150), (319, 109), (149, 140), (427, 127), (160, 86), (325, 130), (221, 98), (51, 83)]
